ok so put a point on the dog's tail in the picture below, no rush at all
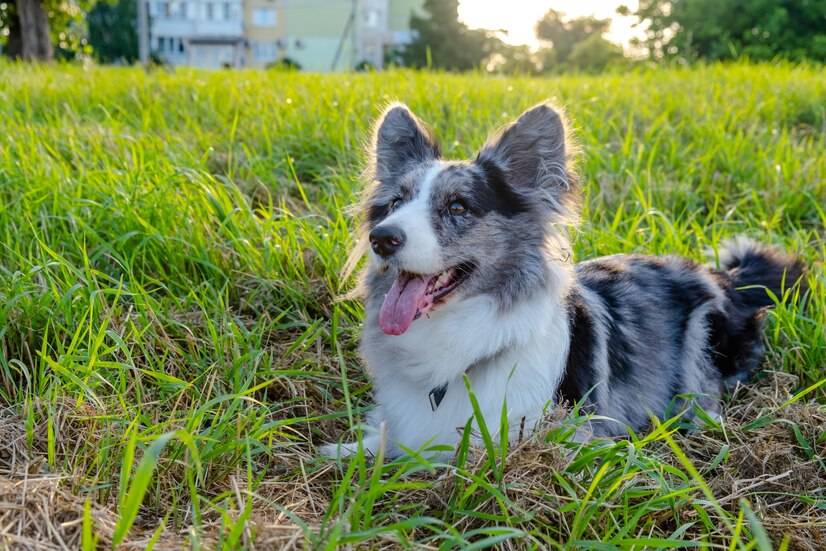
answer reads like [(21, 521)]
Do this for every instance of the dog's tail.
[(755, 277), (760, 274)]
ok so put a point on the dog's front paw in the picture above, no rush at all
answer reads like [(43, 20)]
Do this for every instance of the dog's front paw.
[(330, 450), (336, 450)]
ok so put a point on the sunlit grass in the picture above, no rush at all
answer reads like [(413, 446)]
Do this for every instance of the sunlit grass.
[(172, 249)]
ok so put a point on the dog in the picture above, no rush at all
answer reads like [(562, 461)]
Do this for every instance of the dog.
[(470, 275)]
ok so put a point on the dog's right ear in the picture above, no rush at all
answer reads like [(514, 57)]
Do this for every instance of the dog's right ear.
[(400, 140), (531, 151)]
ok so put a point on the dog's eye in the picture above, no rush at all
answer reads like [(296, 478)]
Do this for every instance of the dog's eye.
[(395, 203), (457, 207)]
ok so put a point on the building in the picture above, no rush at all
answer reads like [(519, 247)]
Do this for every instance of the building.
[(264, 31), (335, 35), (318, 35), (201, 33)]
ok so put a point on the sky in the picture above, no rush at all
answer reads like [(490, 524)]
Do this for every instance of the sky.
[(518, 17)]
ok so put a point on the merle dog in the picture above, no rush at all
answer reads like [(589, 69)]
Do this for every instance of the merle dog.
[(469, 273)]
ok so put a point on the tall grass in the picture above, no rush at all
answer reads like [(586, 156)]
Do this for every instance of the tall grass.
[(171, 247)]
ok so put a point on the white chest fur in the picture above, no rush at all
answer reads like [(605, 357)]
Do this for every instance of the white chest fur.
[(518, 356)]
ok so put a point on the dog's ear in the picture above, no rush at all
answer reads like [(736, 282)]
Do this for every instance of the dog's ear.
[(531, 152), (399, 141)]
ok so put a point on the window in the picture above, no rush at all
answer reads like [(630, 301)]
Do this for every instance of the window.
[(226, 11), (210, 11), (264, 51), (177, 10), (169, 45), (264, 17), (371, 18)]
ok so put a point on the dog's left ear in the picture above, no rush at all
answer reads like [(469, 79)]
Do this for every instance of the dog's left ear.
[(530, 152)]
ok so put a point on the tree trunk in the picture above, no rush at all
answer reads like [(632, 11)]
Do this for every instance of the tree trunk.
[(14, 43), (35, 42)]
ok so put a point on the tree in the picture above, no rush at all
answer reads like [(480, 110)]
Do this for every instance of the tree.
[(30, 29), (442, 41), (729, 29), (113, 31), (564, 35), (576, 43), (518, 60), (26, 26), (595, 54)]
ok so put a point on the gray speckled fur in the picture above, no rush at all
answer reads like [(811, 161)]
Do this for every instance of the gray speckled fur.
[(645, 331)]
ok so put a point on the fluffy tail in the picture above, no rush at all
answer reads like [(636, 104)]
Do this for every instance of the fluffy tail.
[(755, 275), (759, 272)]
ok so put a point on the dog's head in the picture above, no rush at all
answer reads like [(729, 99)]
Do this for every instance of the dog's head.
[(442, 231)]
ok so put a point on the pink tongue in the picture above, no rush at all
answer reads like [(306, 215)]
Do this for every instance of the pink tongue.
[(400, 304)]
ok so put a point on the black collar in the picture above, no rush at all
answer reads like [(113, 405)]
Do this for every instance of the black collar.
[(437, 393)]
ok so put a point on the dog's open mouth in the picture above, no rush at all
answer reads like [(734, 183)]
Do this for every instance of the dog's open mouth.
[(415, 294)]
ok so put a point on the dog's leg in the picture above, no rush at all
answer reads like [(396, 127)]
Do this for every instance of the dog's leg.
[(372, 440), (348, 449)]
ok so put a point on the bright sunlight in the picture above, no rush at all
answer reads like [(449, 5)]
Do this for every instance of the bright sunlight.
[(518, 17)]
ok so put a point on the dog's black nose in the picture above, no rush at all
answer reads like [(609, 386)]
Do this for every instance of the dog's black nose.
[(386, 240)]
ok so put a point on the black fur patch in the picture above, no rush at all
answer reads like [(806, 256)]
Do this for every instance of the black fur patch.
[(735, 342), (753, 269), (377, 213), (496, 195), (579, 369), (620, 351), (750, 269), (379, 210), (610, 282)]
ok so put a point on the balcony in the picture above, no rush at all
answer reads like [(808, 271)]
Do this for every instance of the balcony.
[(188, 28)]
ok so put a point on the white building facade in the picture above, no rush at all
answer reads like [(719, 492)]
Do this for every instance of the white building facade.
[(317, 35), (198, 33)]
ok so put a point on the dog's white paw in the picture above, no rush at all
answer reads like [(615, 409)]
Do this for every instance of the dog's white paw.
[(335, 450), (331, 450)]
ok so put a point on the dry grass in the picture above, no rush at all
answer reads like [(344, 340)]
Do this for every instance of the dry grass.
[(765, 465)]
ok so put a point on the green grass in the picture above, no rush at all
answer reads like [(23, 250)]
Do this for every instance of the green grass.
[(171, 247)]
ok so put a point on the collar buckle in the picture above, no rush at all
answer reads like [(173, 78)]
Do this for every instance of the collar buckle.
[(436, 395)]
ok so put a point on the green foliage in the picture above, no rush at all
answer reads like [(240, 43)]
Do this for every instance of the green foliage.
[(285, 64), (515, 60), (443, 42), (565, 34), (364, 66), (730, 29), (595, 54), (575, 44), (171, 260), (113, 32), (7, 11), (67, 25)]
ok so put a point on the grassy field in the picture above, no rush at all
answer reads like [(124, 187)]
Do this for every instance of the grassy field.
[(172, 351)]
